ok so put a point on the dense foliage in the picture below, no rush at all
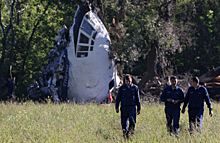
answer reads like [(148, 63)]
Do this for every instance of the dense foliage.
[(149, 38)]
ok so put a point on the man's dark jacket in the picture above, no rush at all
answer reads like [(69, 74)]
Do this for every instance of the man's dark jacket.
[(196, 97), (128, 96), (174, 93)]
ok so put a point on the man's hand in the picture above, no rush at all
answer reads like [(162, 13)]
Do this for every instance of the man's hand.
[(175, 101), (183, 111), (169, 100), (138, 112), (210, 113), (117, 111)]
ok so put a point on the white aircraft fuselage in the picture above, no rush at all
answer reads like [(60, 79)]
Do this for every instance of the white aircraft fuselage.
[(92, 72)]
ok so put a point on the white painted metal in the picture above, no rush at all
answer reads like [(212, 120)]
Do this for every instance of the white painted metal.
[(90, 73)]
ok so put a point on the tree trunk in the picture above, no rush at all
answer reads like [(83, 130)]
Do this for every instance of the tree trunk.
[(210, 75), (151, 65), (12, 35), (5, 34), (101, 13), (4, 43), (30, 39)]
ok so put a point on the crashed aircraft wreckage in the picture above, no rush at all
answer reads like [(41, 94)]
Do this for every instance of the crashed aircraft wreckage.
[(82, 66)]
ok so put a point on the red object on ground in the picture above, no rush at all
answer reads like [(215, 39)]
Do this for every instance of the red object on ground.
[(110, 97)]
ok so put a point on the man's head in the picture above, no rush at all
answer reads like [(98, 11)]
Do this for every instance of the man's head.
[(195, 82), (173, 80), (167, 79), (128, 79)]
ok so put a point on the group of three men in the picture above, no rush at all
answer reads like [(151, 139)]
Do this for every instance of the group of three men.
[(173, 96)]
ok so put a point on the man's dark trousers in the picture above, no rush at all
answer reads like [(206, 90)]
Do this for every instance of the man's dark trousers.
[(128, 113), (172, 114), (195, 115)]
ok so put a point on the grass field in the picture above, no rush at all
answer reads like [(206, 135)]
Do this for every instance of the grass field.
[(94, 123)]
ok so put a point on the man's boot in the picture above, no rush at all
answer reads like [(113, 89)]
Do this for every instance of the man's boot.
[(124, 134), (131, 130)]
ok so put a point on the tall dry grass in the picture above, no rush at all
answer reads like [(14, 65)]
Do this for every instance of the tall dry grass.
[(94, 123)]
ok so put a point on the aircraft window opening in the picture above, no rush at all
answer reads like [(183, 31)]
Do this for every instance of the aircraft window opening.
[(87, 16), (111, 84), (83, 38), (94, 35), (87, 27), (83, 48), (82, 54), (93, 23), (92, 43), (91, 48), (97, 18), (94, 18)]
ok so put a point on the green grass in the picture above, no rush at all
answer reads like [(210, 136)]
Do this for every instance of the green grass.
[(94, 123)]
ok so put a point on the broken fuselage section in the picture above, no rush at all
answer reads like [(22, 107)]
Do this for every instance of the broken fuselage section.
[(88, 72), (92, 72)]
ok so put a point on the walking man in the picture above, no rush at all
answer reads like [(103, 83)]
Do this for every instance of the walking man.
[(172, 96), (128, 95), (195, 97)]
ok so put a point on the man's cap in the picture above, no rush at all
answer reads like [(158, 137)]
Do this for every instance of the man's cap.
[(173, 77), (127, 76)]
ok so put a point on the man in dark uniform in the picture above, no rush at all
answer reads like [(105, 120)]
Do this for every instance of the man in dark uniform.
[(128, 95), (195, 97), (9, 85), (172, 96)]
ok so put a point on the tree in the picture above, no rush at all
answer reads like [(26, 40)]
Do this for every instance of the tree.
[(146, 33), (29, 29), (202, 56)]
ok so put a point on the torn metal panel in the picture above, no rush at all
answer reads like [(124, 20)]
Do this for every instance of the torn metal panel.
[(52, 76)]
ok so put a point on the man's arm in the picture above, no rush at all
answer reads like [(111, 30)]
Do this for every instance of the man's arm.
[(181, 100), (163, 95), (138, 101), (207, 100), (118, 100), (186, 101)]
